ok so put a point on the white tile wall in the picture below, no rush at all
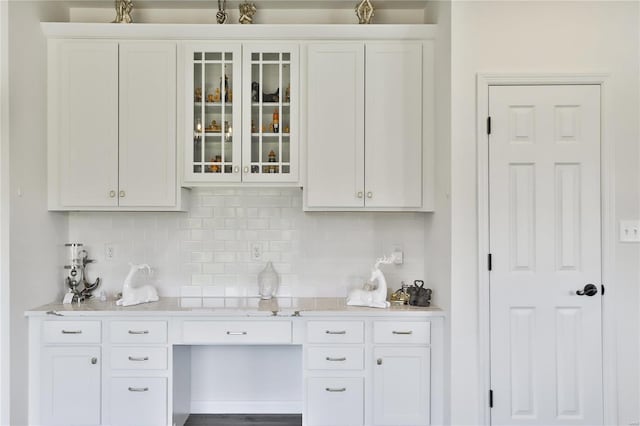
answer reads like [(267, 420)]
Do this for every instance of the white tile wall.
[(316, 254)]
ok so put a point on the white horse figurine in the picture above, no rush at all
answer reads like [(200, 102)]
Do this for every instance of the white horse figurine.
[(136, 295), (376, 297)]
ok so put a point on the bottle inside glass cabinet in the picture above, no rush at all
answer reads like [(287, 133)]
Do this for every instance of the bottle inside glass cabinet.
[(270, 113), (213, 112)]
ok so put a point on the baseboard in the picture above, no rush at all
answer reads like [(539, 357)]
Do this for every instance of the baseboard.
[(246, 407)]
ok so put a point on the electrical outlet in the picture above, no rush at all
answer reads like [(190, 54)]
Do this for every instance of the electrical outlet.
[(630, 231), (256, 251), (109, 251), (398, 257)]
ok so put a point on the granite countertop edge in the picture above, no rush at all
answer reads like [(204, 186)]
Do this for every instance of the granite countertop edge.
[(231, 307)]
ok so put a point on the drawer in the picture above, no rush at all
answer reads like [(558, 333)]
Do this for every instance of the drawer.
[(335, 331), (138, 401), (136, 332), (402, 332), (143, 358), (237, 332), (71, 331), (335, 358), (335, 401)]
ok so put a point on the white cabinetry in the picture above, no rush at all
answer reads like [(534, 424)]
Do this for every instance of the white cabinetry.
[(241, 113), (369, 126), (112, 118), (401, 374), (70, 362)]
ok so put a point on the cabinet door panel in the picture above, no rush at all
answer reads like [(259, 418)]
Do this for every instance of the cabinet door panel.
[(335, 135), (147, 157), (84, 109), (401, 386), (70, 385), (393, 108)]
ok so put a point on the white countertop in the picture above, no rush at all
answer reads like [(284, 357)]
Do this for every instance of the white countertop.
[(231, 306)]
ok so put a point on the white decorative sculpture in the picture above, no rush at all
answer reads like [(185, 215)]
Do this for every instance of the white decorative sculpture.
[(377, 296), (136, 295)]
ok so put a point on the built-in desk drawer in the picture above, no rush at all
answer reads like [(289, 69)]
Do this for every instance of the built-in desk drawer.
[(139, 358), (71, 331), (335, 332), (236, 332), (335, 401), (335, 358), (138, 401), (402, 332), (137, 332)]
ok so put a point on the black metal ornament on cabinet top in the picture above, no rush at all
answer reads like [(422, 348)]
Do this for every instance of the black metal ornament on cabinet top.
[(221, 16)]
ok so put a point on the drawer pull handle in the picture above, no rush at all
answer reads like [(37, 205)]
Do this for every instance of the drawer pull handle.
[(138, 331), (336, 359), (139, 358), (335, 389), (335, 332), (71, 331), (138, 389), (236, 333), (402, 332)]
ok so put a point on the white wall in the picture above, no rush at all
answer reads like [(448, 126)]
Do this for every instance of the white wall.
[(316, 254), (36, 235), (529, 37), (438, 224)]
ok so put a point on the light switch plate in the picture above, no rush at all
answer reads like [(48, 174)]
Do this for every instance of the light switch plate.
[(630, 231)]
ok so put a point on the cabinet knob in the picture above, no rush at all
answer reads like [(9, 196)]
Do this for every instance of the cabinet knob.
[(122, 194), (112, 194), (369, 194), (246, 169), (379, 361), (360, 194), (236, 169), (94, 360)]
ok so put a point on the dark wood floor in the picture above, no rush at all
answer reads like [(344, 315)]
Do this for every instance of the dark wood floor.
[(244, 420)]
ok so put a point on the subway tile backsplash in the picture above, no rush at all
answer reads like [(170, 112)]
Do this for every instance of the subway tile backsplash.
[(316, 254)]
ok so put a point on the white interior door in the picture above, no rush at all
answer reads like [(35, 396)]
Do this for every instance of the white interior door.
[(544, 194)]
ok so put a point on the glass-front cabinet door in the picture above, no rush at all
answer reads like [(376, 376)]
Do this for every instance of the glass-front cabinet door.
[(213, 113), (270, 113)]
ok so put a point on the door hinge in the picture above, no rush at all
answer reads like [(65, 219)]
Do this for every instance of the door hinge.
[(489, 261), (602, 288), (490, 398), (488, 125)]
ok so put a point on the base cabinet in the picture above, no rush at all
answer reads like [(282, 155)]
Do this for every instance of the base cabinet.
[(401, 386), (335, 401), (138, 401), (70, 385)]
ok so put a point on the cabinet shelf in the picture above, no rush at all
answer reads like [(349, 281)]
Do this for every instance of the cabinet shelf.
[(214, 104), (270, 135), (270, 104)]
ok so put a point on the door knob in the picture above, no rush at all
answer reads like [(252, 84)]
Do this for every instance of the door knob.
[(588, 290), (122, 194)]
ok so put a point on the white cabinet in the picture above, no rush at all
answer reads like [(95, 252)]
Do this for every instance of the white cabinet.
[(70, 385), (241, 113), (138, 401), (401, 373), (369, 136), (112, 118), (335, 401)]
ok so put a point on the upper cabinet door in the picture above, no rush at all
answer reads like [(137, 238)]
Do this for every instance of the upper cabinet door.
[(147, 165), (83, 123), (393, 117), (270, 113), (212, 113), (335, 125)]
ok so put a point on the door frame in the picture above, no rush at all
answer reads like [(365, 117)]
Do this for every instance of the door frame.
[(608, 226)]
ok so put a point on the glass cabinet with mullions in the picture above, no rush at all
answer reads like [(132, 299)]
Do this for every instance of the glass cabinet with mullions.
[(241, 113)]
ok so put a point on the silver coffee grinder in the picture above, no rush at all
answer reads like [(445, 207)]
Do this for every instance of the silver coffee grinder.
[(79, 288)]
